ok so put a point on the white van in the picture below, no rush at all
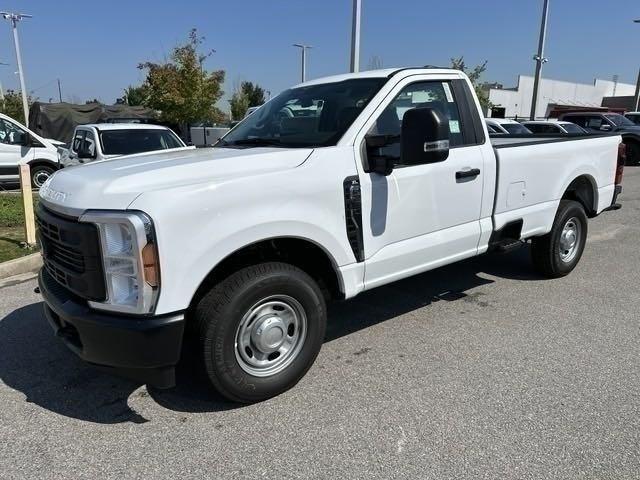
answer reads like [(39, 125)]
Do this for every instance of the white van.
[(19, 145)]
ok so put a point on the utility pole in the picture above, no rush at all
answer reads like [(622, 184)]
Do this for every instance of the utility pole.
[(14, 18), (24, 170), (303, 48), (355, 36), (59, 91), (636, 102), (539, 58)]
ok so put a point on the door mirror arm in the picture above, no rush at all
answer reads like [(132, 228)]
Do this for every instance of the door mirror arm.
[(375, 162), (85, 154), (381, 164)]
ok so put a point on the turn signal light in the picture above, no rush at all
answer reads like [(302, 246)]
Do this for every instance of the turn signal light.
[(150, 266)]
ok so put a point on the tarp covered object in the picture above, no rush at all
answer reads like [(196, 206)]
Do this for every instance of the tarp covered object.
[(58, 120)]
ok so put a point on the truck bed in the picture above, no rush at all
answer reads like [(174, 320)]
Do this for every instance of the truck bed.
[(533, 172)]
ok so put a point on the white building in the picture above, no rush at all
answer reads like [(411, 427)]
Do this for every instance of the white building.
[(554, 93)]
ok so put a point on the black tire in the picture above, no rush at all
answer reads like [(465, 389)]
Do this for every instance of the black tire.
[(220, 312), (39, 174), (633, 153), (546, 250)]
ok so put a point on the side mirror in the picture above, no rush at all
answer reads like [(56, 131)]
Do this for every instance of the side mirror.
[(425, 137), (605, 127)]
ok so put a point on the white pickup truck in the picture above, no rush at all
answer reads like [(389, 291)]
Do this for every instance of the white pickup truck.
[(243, 244), (104, 141)]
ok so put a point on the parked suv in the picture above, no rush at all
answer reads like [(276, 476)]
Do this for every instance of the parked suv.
[(599, 122)]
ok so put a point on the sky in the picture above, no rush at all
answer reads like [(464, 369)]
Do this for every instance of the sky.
[(94, 47)]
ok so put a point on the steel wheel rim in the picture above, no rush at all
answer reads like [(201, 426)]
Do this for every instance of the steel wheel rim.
[(40, 177), (570, 240), (270, 335)]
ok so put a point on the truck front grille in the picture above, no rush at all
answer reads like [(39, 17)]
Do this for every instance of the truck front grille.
[(71, 254)]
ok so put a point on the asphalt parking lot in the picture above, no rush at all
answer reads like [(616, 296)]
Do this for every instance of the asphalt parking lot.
[(476, 370)]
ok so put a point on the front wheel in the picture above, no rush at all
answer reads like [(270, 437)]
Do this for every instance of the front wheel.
[(260, 330), (557, 253), (40, 174)]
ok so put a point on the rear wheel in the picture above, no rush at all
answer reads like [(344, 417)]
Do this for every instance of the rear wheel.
[(557, 253), (260, 330), (40, 174)]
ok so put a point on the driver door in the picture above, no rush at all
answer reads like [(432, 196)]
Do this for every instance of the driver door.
[(421, 216)]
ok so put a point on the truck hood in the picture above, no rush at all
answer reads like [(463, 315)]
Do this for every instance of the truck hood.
[(115, 183)]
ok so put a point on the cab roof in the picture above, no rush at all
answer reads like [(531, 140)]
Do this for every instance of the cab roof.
[(123, 126), (383, 73)]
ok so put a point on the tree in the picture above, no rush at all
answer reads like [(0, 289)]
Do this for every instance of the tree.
[(181, 89), (239, 104), (12, 105), (254, 93), (474, 75), (245, 95), (135, 96)]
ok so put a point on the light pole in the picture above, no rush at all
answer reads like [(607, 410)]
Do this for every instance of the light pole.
[(539, 58), (303, 48), (14, 18), (636, 102), (355, 36)]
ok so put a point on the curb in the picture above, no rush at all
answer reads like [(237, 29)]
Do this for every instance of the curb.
[(30, 263)]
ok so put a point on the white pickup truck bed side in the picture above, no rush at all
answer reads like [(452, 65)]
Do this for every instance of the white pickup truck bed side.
[(531, 181)]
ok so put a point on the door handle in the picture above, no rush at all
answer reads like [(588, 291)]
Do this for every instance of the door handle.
[(472, 172)]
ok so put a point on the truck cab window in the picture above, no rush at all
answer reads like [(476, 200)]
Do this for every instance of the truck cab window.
[(89, 143), (435, 95), (595, 122), (77, 141)]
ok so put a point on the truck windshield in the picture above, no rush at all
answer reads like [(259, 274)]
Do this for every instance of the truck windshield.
[(128, 142), (620, 121), (309, 116)]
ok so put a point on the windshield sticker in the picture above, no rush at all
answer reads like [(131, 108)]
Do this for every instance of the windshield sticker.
[(454, 126), (447, 92)]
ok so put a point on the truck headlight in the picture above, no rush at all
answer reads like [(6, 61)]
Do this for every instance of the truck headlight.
[(130, 260)]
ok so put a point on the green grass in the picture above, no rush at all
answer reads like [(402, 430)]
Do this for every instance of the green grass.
[(11, 244), (12, 227)]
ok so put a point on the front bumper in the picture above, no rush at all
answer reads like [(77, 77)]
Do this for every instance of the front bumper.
[(142, 348)]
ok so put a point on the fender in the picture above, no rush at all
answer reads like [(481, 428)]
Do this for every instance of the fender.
[(44, 161), (589, 175), (181, 280)]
